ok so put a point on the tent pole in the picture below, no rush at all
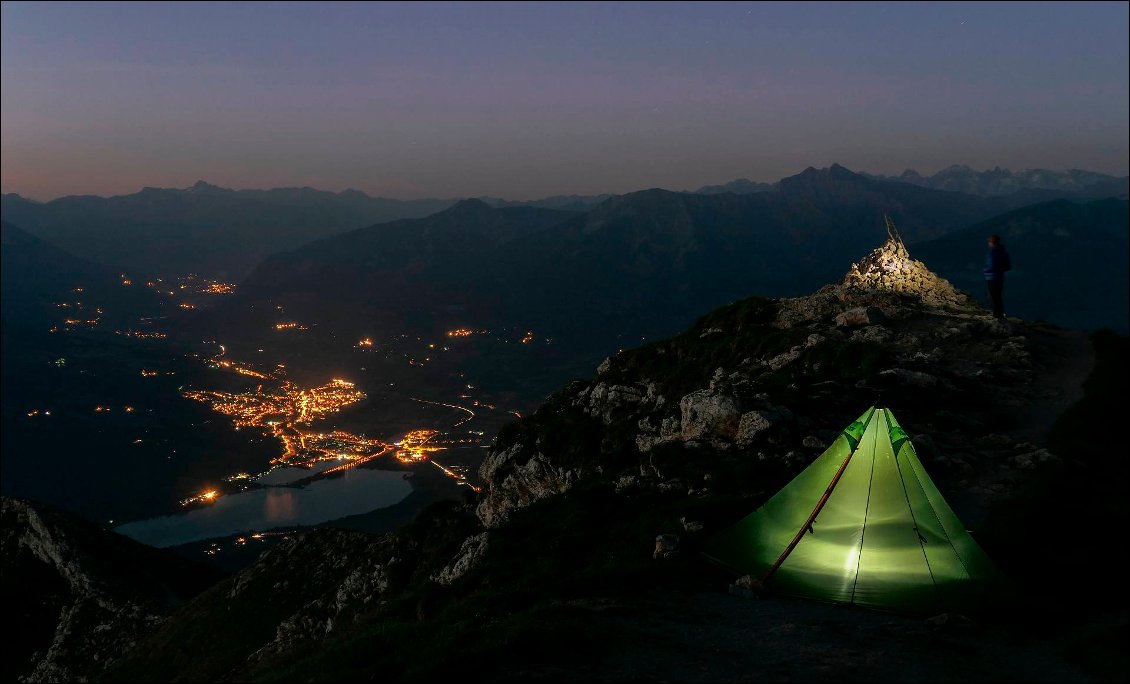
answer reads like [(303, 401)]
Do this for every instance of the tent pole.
[(812, 517)]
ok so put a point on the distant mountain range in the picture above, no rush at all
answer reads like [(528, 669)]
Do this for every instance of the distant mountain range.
[(221, 233), (998, 181), (203, 229), (961, 178)]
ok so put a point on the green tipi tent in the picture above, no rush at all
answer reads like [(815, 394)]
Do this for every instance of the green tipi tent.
[(863, 524)]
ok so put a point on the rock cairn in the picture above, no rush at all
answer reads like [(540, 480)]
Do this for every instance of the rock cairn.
[(890, 268)]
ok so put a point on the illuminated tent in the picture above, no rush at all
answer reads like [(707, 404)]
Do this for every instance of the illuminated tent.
[(865, 525)]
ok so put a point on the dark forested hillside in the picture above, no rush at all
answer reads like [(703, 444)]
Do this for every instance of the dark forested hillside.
[(38, 277)]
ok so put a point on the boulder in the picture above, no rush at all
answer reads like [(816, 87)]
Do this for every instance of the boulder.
[(706, 414), (859, 316), (512, 484), (470, 554), (603, 400), (753, 423)]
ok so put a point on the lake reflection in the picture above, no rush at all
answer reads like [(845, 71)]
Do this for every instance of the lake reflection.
[(355, 491)]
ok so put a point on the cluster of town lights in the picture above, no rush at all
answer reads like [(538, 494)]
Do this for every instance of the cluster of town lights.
[(286, 411)]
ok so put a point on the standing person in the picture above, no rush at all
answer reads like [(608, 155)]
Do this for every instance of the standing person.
[(996, 263)]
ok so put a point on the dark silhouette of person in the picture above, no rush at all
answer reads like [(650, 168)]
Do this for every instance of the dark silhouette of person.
[(996, 263)]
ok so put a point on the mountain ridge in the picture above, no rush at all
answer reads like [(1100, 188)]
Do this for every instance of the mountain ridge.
[(120, 231), (963, 178)]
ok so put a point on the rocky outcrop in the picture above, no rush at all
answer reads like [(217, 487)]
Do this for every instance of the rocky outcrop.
[(522, 484), (470, 554), (83, 596), (651, 436), (603, 401), (915, 332), (344, 574)]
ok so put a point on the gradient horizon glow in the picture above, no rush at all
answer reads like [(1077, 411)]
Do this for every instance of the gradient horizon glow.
[(528, 100)]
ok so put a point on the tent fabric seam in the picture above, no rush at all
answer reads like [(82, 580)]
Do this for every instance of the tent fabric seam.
[(866, 511), (941, 526), (913, 518)]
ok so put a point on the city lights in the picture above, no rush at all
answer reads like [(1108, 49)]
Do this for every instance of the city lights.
[(287, 412)]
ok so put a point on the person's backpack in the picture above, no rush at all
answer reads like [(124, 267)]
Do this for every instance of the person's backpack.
[(1006, 261)]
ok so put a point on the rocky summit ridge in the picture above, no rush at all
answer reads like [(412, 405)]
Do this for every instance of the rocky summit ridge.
[(890, 331)]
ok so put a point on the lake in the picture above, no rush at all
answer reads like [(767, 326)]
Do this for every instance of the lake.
[(357, 490)]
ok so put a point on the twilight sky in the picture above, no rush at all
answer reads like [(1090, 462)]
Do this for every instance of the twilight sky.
[(524, 101)]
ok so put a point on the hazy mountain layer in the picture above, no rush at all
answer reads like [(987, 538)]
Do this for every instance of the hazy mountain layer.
[(998, 181), (204, 229), (221, 233)]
